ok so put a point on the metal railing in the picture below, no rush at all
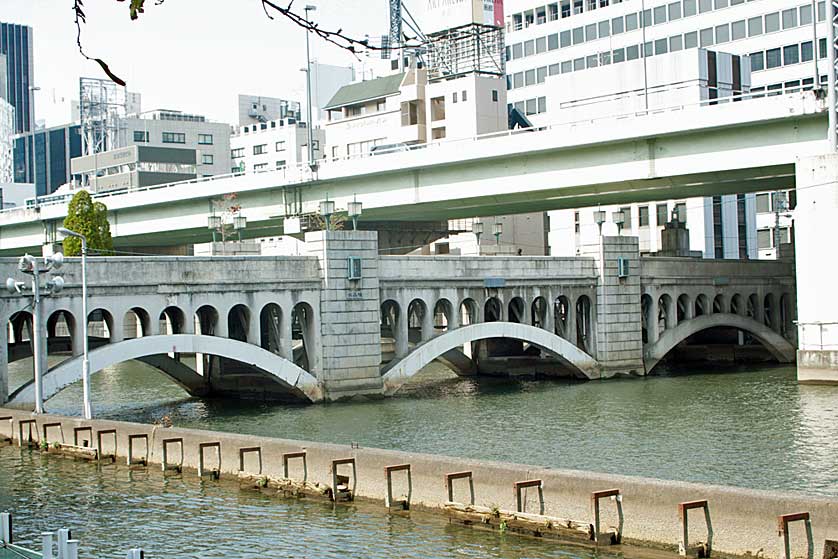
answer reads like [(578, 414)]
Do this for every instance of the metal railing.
[(300, 173)]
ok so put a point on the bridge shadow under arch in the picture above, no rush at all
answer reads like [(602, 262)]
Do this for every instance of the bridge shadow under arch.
[(778, 346), (399, 372), (154, 350)]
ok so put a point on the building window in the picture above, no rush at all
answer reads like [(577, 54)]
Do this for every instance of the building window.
[(174, 138), (661, 214), (576, 226), (237, 153), (261, 167), (438, 108), (681, 211), (260, 149), (140, 136), (763, 203), (465, 96), (207, 159), (772, 22), (626, 217), (454, 97), (643, 216), (755, 26), (494, 95), (773, 59), (280, 164), (764, 239), (791, 54), (757, 61), (280, 146), (205, 139), (381, 105)]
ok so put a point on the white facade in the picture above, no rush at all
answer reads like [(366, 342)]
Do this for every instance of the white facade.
[(268, 146), (574, 36), (15, 194), (326, 79), (771, 217), (164, 128), (254, 109)]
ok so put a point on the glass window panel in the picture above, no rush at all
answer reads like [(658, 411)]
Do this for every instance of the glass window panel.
[(532, 106), (806, 51), (617, 26), (821, 48), (541, 45), (619, 55), (518, 79), (541, 74), (722, 33), (805, 14), (553, 41), (719, 4), (757, 61), (821, 11), (738, 30), (790, 18), (529, 77), (676, 43), (661, 46), (773, 58), (529, 48), (660, 15), (592, 61), (542, 105), (646, 20), (565, 39), (578, 35), (631, 22), (632, 52), (567, 66), (791, 54), (605, 58), (590, 32), (691, 40), (648, 49), (690, 8), (517, 51), (705, 37), (578, 64), (555, 69), (755, 26), (674, 11), (772, 22), (705, 5), (604, 28)]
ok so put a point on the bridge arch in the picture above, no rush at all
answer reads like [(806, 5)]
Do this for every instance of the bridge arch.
[(779, 347), (399, 372), (295, 379)]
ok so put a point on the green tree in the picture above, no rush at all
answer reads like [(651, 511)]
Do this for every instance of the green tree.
[(91, 220)]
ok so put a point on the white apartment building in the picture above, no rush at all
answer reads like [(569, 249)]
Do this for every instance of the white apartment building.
[(272, 145), (408, 108), (774, 222), (254, 109), (574, 59), (176, 129)]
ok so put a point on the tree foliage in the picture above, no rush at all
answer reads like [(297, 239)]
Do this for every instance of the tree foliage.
[(91, 220)]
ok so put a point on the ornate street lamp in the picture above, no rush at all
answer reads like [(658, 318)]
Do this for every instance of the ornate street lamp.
[(619, 219), (354, 209), (599, 218)]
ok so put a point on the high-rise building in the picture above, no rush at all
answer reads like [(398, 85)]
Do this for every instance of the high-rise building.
[(7, 115), (16, 43), (43, 157)]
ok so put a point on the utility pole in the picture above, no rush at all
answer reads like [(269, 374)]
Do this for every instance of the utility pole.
[(779, 206), (309, 124), (830, 55)]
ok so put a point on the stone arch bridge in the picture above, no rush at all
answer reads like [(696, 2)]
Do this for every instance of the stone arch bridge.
[(306, 329)]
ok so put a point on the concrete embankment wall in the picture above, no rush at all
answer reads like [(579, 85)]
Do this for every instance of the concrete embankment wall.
[(744, 521)]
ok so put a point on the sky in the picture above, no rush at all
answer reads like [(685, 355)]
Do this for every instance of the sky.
[(190, 55)]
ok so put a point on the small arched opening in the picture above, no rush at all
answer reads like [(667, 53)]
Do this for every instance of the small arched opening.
[(769, 315), (238, 323), (492, 310), (753, 307), (469, 312), (736, 304), (665, 310), (719, 304), (701, 305), (302, 335), (137, 323), (584, 326), (100, 325), (270, 328), (443, 315), (538, 312), (786, 316), (683, 307), (172, 321), (561, 313), (517, 310), (206, 321), (647, 317)]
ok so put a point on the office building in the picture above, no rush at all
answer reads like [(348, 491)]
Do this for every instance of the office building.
[(134, 167), (176, 129), (775, 227), (272, 145), (16, 44), (43, 157)]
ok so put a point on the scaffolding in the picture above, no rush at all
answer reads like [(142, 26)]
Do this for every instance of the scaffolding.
[(102, 108), (468, 49)]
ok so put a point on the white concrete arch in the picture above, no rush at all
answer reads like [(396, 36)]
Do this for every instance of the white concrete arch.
[(68, 372), (773, 342), (402, 370)]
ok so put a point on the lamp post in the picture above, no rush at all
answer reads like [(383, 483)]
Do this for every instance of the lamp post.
[(327, 208), (309, 124), (239, 224), (87, 409), (214, 224), (34, 267), (599, 218), (353, 210), (477, 229), (497, 231), (619, 218)]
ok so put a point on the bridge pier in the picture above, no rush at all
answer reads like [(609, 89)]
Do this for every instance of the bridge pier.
[(618, 340), (349, 349), (816, 217)]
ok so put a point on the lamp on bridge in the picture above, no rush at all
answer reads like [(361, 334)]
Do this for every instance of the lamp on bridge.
[(619, 219), (477, 229), (239, 224), (353, 210), (497, 231), (599, 218), (35, 267), (327, 209), (214, 224)]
